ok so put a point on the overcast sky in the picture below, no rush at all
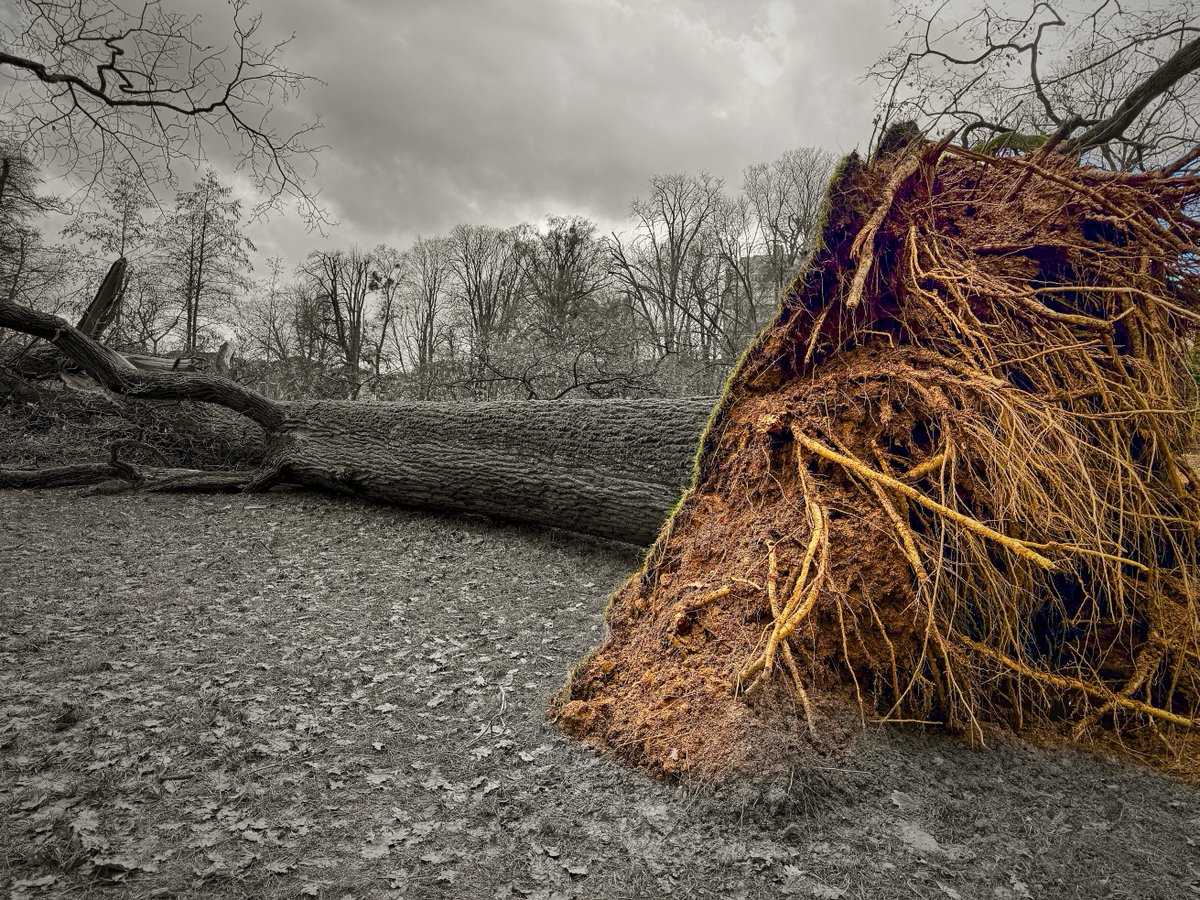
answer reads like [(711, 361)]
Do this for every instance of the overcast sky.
[(502, 111)]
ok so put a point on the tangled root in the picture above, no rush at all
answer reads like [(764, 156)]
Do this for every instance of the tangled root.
[(948, 484)]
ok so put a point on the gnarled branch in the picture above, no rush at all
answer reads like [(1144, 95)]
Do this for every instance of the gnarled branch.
[(118, 375)]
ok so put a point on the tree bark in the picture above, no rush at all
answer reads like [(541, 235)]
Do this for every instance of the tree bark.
[(612, 468), (157, 480), (102, 311), (119, 375), (44, 360), (609, 468)]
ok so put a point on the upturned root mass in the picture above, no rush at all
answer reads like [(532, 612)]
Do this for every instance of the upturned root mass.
[(948, 484)]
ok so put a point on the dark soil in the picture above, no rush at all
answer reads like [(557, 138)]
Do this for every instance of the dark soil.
[(289, 695)]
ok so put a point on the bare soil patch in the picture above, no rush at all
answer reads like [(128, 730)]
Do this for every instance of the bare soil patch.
[(294, 695)]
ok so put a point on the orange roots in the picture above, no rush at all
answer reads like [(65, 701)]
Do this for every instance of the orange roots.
[(949, 483)]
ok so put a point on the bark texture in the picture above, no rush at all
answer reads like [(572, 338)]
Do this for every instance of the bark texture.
[(41, 360), (614, 469), (157, 480)]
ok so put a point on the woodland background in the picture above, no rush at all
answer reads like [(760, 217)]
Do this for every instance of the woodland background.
[(535, 311)]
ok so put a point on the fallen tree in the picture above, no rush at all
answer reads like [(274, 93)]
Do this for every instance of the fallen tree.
[(39, 359), (608, 468), (948, 484)]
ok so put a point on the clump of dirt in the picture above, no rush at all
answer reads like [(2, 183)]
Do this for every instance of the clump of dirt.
[(948, 484)]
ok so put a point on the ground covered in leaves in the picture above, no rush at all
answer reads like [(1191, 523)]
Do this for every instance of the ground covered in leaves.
[(290, 695)]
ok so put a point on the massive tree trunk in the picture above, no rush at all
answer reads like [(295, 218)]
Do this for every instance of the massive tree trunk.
[(608, 468), (612, 468)]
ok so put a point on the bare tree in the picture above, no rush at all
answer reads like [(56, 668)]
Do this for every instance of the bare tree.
[(424, 275), (149, 312), (264, 323), (387, 284), (94, 86), (564, 267), (569, 337), (487, 282), (660, 269), (31, 272), (20, 197), (1117, 78), (118, 225), (341, 280), (785, 197), (205, 252), (315, 350), (743, 299)]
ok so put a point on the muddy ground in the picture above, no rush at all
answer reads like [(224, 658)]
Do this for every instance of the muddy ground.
[(290, 695)]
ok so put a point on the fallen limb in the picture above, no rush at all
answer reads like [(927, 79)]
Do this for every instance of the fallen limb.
[(152, 479), (65, 476)]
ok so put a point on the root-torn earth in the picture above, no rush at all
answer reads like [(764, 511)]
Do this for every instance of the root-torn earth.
[(947, 485)]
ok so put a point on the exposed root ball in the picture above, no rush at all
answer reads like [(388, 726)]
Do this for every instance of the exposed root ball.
[(948, 484)]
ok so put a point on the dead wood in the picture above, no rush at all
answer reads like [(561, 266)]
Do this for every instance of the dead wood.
[(40, 360), (118, 375), (609, 468)]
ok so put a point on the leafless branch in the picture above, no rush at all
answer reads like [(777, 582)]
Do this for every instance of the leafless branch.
[(90, 87), (1124, 75)]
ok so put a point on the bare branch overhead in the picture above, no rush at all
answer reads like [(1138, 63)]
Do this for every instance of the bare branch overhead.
[(92, 87), (1120, 80)]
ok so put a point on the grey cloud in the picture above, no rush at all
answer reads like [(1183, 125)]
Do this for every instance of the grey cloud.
[(497, 111)]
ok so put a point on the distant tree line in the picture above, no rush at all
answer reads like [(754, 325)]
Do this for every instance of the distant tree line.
[(547, 311)]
